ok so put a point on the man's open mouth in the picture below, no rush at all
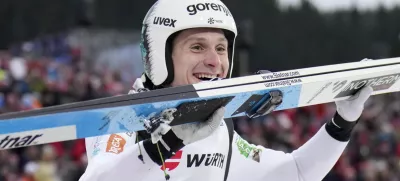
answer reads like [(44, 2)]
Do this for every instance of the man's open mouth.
[(205, 77)]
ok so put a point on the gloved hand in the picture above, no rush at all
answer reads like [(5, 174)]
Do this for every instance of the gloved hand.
[(351, 109), (189, 132), (348, 112)]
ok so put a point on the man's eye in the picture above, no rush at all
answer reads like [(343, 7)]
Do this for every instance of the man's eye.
[(197, 47), (221, 49)]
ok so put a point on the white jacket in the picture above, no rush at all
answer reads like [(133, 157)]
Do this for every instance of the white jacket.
[(115, 158)]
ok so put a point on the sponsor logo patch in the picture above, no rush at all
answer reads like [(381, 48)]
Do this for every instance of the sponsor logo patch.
[(248, 150), (115, 144)]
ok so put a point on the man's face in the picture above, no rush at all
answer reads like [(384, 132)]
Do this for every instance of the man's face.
[(199, 54)]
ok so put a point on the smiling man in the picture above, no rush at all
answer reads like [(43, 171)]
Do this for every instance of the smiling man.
[(199, 54), (186, 42)]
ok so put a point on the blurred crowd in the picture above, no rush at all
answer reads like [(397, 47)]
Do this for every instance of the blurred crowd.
[(30, 80), (41, 74)]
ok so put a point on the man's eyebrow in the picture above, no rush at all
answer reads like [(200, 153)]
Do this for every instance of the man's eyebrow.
[(221, 39)]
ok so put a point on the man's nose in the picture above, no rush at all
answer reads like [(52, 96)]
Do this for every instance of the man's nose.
[(212, 59)]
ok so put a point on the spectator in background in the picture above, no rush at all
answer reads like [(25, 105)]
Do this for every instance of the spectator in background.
[(46, 168)]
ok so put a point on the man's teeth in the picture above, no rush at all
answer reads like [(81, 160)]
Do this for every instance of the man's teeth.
[(205, 76)]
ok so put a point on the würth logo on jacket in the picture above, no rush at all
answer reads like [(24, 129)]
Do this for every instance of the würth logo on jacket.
[(164, 21), (215, 160)]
